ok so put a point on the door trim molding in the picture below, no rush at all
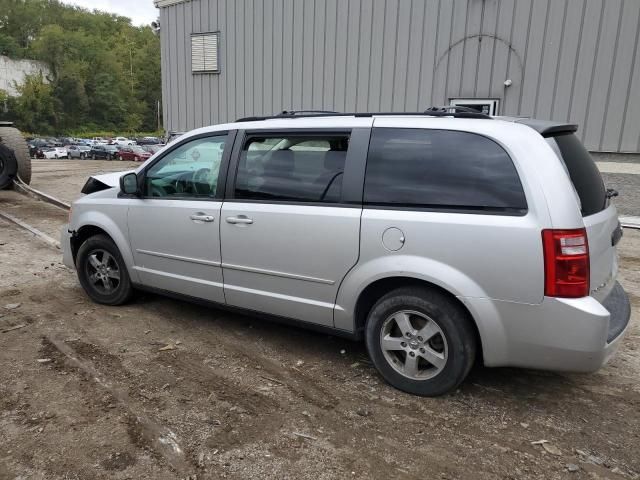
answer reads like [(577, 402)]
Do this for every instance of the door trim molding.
[(179, 257), (275, 273)]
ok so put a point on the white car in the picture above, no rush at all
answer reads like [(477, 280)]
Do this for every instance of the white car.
[(55, 152), (123, 142)]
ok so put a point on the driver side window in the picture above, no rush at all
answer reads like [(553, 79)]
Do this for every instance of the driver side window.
[(189, 171)]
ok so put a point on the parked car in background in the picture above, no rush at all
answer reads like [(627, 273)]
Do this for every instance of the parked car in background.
[(133, 153), (107, 152), (148, 141), (153, 149), (173, 135), (55, 152), (37, 144), (122, 141), (40, 151), (78, 151)]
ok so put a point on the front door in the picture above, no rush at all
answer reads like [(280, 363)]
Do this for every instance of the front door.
[(174, 228), (288, 237)]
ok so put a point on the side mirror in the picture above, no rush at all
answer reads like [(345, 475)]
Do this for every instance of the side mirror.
[(129, 184)]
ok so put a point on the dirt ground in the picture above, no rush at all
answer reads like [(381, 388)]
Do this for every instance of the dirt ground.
[(163, 389)]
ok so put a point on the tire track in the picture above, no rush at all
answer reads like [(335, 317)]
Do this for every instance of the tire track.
[(143, 430)]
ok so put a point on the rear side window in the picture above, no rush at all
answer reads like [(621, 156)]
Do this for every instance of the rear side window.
[(292, 168), (441, 169), (583, 172)]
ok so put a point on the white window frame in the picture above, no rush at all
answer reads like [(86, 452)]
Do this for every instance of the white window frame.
[(493, 103), (205, 52)]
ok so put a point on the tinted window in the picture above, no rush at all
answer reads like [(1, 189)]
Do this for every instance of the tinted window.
[(292, 168), (441, 169), (583, 172)]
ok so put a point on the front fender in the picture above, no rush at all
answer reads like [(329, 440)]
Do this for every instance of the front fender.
[(419, 268), (114, 224)]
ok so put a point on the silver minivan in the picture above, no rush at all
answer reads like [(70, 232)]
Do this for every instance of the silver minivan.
[(441, 238)]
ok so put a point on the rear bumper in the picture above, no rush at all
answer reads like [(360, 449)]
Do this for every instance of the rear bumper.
[(617, 302), (65, 245), (578, 335)]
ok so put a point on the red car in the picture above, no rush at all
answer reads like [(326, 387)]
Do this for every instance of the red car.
[(133, 153)]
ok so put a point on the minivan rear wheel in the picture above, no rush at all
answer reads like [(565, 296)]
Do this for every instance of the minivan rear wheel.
[(420, 341), (102, 271)]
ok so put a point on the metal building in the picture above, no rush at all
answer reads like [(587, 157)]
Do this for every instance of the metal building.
[(574, 60)]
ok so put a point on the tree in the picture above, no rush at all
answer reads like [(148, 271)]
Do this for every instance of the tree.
[(105, 73), (9, 47), (35, 106)]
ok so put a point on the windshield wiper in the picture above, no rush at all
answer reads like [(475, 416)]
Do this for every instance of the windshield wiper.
[(612, 192)]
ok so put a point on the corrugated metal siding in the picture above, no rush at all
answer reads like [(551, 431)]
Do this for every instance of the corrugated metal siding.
[(569, 60)]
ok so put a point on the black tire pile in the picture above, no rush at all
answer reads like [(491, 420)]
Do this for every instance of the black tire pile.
[(8, 166), (15, 159)]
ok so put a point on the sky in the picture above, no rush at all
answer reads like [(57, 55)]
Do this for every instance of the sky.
[(141, 12)]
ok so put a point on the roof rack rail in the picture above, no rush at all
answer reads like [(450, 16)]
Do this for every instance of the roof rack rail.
[(292, 113), (457, 109), (447, 111)]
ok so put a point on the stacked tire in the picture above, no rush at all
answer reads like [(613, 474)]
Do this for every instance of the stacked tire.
[(12, 139), (8, 166)]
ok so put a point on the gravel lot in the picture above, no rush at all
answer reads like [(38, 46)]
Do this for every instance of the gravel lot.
[(628, 186), (163, 389)]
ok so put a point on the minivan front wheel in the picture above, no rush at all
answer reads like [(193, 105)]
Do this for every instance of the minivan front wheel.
[(102, 271), (420, 341)]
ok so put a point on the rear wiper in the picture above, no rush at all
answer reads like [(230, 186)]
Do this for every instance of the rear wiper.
[(612, 192)]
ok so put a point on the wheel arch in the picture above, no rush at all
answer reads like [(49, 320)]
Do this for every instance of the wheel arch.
[(82, 235), (376, 289), (100, 224)]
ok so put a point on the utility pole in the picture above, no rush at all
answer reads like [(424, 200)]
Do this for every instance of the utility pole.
[(131, 64)]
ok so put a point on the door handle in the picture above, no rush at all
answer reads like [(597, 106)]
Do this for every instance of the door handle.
[(201, 217), (239, 220)]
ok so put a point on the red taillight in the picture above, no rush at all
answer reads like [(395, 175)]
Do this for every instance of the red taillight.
[(566, 263)]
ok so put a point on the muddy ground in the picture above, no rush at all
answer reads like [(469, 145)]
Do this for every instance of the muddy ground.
[(162, 389)]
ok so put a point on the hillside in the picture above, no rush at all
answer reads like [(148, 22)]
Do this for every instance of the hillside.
[(104, 72)]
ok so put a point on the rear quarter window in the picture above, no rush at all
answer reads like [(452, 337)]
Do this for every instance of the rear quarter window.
[(583, 172), (441, 170)]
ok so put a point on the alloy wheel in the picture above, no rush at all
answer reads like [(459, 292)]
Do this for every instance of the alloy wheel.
[(414, 344), (103, 271)]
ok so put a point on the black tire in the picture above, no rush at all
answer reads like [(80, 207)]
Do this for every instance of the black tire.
[(455, 327), (8, 166), (13, 139), (95, 245)]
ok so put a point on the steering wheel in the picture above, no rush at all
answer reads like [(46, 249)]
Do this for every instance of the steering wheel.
[(179, 185), (158, 191), (200, 181)]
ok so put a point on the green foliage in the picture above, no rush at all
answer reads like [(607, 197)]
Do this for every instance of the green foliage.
[(112, 134), (105, 73), (35, 106), (9, 47)]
